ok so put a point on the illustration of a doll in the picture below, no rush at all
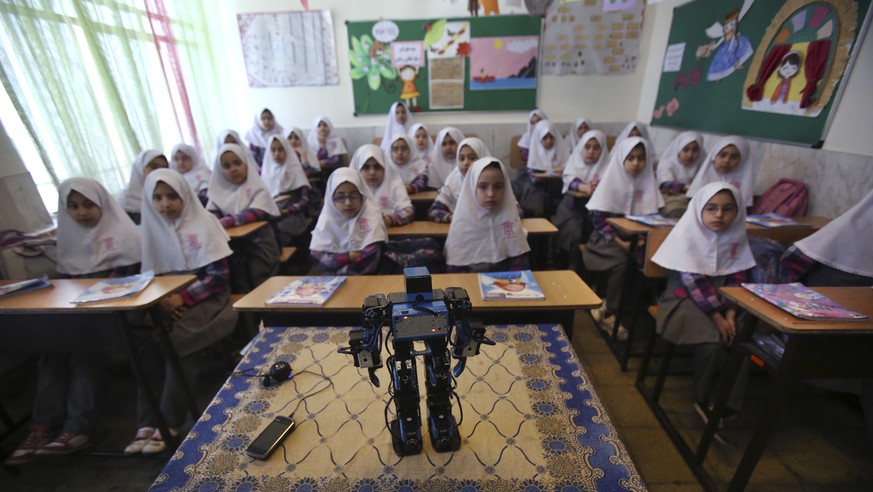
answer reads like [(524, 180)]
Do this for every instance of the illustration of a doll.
[(409, 93), (788, 69), (732, 49)]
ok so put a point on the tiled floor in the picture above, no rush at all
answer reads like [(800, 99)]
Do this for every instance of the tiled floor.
[(820, 444)]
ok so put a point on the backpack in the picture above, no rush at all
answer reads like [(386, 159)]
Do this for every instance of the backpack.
[(788, 198)]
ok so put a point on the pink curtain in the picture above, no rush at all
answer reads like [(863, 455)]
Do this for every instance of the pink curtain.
[(771, 63), (817, 54)]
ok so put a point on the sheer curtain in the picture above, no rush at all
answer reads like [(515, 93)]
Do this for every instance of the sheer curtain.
[(95, 82)]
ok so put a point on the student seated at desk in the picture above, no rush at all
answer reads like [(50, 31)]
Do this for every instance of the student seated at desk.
[(470, 150), (548, 156), (350, 233), (384, 183), (707, 249), (180, 237), (533, 118), (258, 136), (677, 168), (628, 187), (486, 234), (400, 120), (422, 147), (228, 136), (580, 127), (238, 196), (96, 238), (283, 174), (305, 154), (411, 171), (190, 164), (582, 174), (637, 129), (329, 147), (729, 160), (442, 161), (145, 162)]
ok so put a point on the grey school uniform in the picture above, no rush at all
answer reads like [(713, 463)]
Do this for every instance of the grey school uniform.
[(601, 255)]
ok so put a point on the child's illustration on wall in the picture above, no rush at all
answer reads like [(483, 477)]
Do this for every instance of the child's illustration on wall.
[(505, 62), (731, 47), (409, 93), (798, 63)]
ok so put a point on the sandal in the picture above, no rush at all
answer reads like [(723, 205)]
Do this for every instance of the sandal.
[(143, 436)]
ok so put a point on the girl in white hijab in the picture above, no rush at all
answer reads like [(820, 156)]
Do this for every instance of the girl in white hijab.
[(238, 196), (350, 234), (548, 156), (707, 249), (580, 127), (533, 118), (582, 174), (283, 174), (385, 185), (676, 169), (486, 234), (412, 171), (628, 187), (729, 160), (470, 150), (227, 136), (442, 161), (180, 236), (400, 120), (329, 147), (258, 136), (145, 162), (190, 164), (305, 153), (96, 238), (422, 147)]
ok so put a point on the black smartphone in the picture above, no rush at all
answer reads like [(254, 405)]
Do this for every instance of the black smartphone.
[(267, 441)]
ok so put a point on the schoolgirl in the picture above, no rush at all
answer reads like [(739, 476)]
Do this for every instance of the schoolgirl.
[(412, 172), (180, 236), (400, 120), (628, 187), (422, 145), (145, 162), (329, 147), (190, 164), (283, 174), (470, 150), (707, 249), (676, 169), (580, 127), (384, 184), (238, 196), (258, 136), (486, 234), (305, 154), (524, 142), (729, 160), (583, 172), (548, 156), (350, 233), (442, 161)]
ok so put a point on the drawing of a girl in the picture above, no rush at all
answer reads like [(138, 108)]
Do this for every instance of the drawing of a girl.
[(788, 69), (409, 93)]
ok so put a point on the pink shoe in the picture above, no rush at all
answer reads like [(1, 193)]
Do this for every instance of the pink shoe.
[(65, 443), (39, 436)]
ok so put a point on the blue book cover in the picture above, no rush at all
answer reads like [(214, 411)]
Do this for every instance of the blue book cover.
[(24, 286), (653, 220), (520, 285), (115, 288), (310, 291), (774, 220)]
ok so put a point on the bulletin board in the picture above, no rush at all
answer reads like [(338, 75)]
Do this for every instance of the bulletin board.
[(456, 64), (768, 69)]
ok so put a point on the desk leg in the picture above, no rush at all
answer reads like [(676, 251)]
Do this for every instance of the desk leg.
[(568, 321)]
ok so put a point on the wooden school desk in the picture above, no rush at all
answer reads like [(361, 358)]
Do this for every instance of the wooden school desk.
[(242, 231), (46, 321), (565, 293), (814, 350), (422, 201)]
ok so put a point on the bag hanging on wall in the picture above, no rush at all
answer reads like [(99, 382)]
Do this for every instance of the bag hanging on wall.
[(25, 257), (787, 197)]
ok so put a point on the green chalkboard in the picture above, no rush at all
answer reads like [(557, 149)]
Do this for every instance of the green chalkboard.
[(456, 64), (768, 69)]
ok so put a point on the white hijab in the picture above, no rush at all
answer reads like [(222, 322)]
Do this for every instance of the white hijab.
[(671, 169), (524, 141), (572, 138), (743, 177), (449, 192), (392, 127), (308, 157), (440, 167), (131, 197), (229, 198), (477, 235), (334, 143), (578, 168), (620, 193), (391, 194), (692, 247), (190, 242), (421, 154), (198, 176), (541, 159), (219, 141), (845, 242), (625, 132), (336, 233), (113, 242), (282, 177), (259, 137), (413, 167)]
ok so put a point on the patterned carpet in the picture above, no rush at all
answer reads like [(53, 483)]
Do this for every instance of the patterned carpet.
[(531, 421)]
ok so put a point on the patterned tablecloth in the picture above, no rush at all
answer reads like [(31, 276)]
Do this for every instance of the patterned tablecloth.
[(531, 421)]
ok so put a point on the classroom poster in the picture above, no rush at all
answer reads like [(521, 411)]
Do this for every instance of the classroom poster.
[(284, 49), (470, 64), (592, 36), (767, 69)]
